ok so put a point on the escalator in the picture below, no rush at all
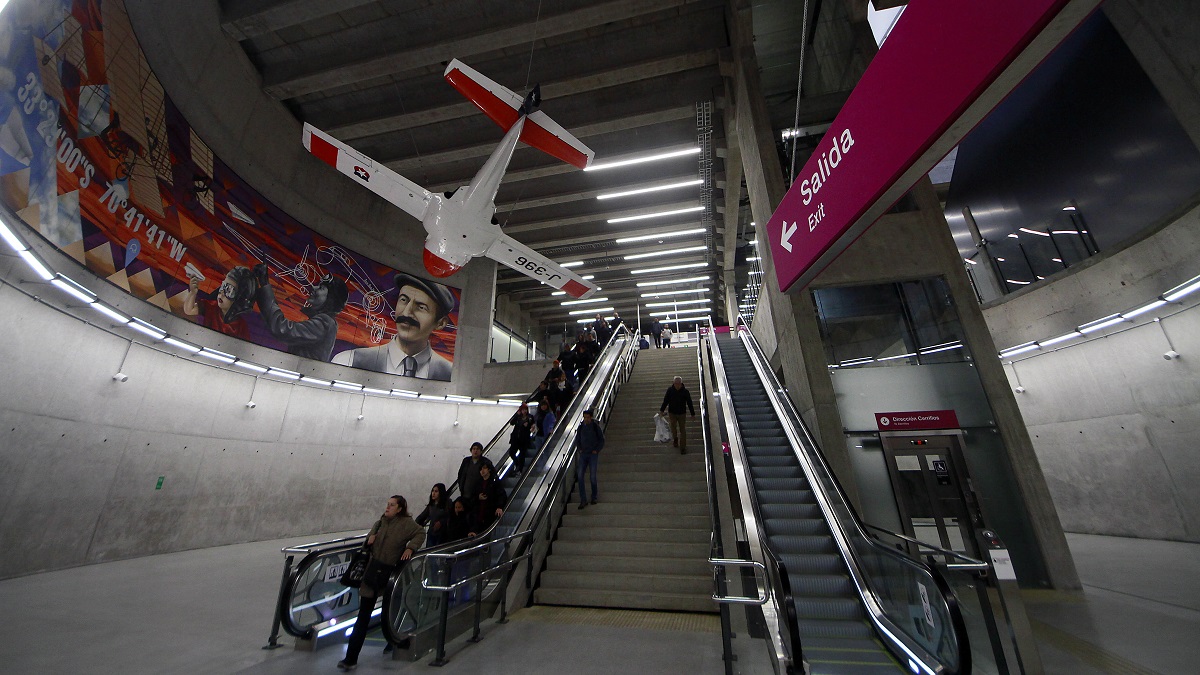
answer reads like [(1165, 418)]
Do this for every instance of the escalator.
[(415, 615), (852, 604)]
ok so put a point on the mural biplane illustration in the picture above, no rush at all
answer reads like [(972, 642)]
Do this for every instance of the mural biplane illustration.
[(461, 225)]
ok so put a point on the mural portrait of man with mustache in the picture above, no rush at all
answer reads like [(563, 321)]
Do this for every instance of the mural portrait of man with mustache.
[(421, 308)]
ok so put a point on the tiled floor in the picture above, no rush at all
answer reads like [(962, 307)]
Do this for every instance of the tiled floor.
[(208, 611)]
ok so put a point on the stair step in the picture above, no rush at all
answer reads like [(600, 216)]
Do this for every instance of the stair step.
[(631, 564), (587, 547), (590, 518), (698, 584), (576, 597), (648, 509), (640, 534)]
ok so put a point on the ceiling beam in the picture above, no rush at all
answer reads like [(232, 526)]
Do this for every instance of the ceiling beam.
[(554, 90), (298, 81), (244, 19), (484, 149)]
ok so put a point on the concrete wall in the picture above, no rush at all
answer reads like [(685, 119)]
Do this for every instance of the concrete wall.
[(81, 455), (518, 376), (1114, 423)]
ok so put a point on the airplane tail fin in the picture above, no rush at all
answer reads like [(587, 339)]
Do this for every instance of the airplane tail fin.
[(504, 107)]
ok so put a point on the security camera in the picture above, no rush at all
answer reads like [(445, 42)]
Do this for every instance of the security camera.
[(120, 377), (251, 404), (1172, 354), (1020, 390)]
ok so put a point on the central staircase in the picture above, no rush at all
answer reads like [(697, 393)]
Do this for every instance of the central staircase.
[(645, 544)]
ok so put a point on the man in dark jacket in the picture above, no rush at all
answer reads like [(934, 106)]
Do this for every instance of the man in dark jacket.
[(602, 330), (314, 337), (468, 473), (590, 441), (676, 400), (656, 330)]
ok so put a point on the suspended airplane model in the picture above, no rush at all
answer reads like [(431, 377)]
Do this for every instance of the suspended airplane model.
[(461, 225)]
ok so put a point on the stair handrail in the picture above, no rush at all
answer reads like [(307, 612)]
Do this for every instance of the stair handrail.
[(779, 611), (896, 637)]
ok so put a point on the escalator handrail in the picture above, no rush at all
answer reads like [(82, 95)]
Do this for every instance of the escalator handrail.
[(968, 561), (599, 392), (797, 431), (288, 588), (783, 609)]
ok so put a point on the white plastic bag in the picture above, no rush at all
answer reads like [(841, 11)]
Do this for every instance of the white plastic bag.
[(662, 430)]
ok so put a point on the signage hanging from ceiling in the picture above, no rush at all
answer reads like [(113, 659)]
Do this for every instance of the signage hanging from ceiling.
[(943, 67)]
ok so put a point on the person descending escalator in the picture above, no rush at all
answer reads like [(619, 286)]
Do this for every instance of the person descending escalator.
[(489, 501), (521, 437), (436, 515)]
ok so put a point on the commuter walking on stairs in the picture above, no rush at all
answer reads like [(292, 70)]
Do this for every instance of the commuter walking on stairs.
[(590, 441), (675, 402), (392, 540)]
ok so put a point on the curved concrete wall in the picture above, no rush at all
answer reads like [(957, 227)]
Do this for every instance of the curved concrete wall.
[(81, 454), (1114, 423)]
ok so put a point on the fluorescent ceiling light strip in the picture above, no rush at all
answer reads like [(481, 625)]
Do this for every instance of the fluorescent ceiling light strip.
[(510, 402), (458, 398), (285, 374), (1019, 283), (694, 310), (1068, 231), (678, 302), (1061, 338), (1019, 349), (669, 268), (607, 318), (109, 312), (1068, 208), (856, 362), (577, 263), (642, 160), (646, 284), (1181, 290), (146, 328), (1143, 309), (376, 392), (559, 293), (404, 393), (36, 265), (252, 367), (674, 251), (73, 289), (589, 311), (657, 214), (589, 301), (657, 188), (589, 277), (433, 397), (754, 258), (486, 401), (11, 237), (663, 294), (186, 346), (898, 356), (316, 381), (349, 386), (945, 348), (216, 355), (648, 237), (969, 261), (1098, 324), (1029, 231)]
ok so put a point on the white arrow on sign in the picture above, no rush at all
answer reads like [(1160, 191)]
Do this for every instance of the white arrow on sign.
[(788, 231)]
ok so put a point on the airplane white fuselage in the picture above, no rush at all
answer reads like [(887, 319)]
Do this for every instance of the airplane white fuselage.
[(459, 227)]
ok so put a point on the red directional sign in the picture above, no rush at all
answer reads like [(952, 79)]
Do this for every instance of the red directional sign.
[(917, 419), (900, 120)]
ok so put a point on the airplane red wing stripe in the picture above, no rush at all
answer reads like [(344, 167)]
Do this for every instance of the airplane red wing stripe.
[(492, 105), (323, 150), (574, 288), (537, 136)]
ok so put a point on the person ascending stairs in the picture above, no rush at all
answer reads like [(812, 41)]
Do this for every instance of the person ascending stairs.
[(676, 400)]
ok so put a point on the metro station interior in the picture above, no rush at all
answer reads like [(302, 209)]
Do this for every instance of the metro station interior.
[(961, 438)]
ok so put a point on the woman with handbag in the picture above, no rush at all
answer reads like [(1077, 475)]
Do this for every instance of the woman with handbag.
[(392, 540)]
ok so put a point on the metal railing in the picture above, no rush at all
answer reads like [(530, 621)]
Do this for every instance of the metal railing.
[(310, 598)]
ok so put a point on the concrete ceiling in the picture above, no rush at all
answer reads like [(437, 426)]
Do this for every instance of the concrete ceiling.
[(628, 77)]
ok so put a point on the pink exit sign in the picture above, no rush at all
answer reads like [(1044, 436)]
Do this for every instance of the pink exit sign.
[(920, 419), (944, 66)]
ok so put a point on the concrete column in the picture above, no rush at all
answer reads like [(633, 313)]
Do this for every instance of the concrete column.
[(787, 322), (1162, 38)]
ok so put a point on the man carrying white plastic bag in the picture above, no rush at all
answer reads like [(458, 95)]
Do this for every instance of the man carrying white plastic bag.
[(662, 430)]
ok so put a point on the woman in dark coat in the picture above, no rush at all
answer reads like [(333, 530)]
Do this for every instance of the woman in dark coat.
[(489, 501), (436, 515), (459, 524)]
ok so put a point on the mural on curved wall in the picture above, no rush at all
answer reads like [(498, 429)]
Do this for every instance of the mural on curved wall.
[(97, 159)]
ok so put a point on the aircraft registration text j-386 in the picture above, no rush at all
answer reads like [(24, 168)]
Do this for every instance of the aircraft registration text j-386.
[(461, 225)]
